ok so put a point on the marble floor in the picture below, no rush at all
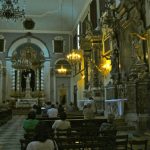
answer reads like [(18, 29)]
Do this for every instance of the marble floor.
[(11, 132)]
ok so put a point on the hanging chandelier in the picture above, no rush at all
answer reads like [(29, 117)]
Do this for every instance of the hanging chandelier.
[(74, 56), (62, 70), (10, 9)]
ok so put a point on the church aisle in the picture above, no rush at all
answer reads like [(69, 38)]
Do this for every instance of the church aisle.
[(11, 132)]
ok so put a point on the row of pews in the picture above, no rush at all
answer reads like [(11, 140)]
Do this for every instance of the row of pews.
[(5, 115), (79, 128), (84, 134)]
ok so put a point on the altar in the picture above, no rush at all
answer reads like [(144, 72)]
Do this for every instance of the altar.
[(115, 106), (26, 103)]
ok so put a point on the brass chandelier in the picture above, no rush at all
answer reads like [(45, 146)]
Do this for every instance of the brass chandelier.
[(62, 70), (10, 9), (73, 57)]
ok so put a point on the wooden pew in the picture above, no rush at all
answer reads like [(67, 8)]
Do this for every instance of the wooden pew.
[(75, 123), (79, 128), (78, 143), (5, 115)]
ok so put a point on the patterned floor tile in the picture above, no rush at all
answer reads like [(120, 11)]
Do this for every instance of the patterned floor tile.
[(11, 132)]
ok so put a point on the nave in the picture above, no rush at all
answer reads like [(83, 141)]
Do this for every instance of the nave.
[(11, 132)]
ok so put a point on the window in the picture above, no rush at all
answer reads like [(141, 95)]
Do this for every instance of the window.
[(2, 44), (58, 46), (107, 45)]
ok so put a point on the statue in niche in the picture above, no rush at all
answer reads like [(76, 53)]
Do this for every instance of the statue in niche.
[(138, 35), (28, 80), (23, 80), (137, 50), (115, 64), (89, 28)]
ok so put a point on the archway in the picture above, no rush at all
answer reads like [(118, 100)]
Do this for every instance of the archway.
[(63, 81), (26, 57)]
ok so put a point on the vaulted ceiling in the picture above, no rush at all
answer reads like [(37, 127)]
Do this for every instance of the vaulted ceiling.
[(50, 16)]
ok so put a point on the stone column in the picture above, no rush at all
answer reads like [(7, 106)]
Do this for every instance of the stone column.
[(18, 80), (37, 80), (13, 80), (149, 48), (1, 83), (131, 116), (138, 104), (143, 104), (95, 77), (42, 79)]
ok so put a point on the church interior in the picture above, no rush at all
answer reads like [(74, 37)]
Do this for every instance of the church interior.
[(75, 52)]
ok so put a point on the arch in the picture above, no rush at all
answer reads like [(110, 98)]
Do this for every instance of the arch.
[(60, 59), (25, 40), (1, 64)]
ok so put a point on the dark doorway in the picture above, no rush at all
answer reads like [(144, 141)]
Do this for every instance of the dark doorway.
[(75, 96)]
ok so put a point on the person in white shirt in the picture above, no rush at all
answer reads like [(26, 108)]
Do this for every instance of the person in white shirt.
[(62, 123), (93, 105), (61, 126), (52, 112), (42, 141), (88, 111)]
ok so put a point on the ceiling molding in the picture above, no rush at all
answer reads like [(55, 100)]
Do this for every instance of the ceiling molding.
[(84, 10), (47, 12), (44, 14), (36, 31)]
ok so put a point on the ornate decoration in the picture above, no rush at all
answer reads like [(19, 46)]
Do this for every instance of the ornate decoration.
[(28, 24), (74, 56), (10, 9), (27, 58)]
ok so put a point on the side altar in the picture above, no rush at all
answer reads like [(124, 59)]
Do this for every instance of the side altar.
[(115, 106)]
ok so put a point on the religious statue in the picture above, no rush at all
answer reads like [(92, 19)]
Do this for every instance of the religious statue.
[(28, 78)]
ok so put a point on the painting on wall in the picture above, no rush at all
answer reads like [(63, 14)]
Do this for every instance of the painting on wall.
[(107, 45), (2, 44), (58, 46)]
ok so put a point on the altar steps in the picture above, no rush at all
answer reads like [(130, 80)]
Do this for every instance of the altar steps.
[(20, 111), (122, 126)]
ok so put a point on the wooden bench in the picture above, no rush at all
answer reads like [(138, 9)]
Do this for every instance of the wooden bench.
[(79, 138), (80, 122), (140, 144), (5, 115), (121, 142), (78, 143), (79, 128)]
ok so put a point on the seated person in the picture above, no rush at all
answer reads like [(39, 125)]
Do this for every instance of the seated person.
[(34, 108), (30, 124), (62, 123), (52, 112), (71, 107), (42, 140), (60, 109), (109, 125), (88, 112)]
